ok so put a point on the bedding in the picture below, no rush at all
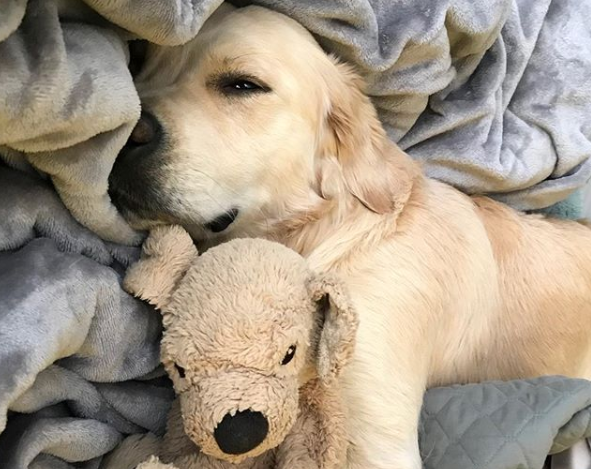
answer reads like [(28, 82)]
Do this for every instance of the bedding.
[(491, 96)]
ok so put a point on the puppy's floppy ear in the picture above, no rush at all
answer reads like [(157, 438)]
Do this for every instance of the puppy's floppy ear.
[(167, 254), (339, 324), (353, 142)]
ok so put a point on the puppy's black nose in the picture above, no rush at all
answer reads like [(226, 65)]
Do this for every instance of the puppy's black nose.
[(136, 166), (241, 433), (146, 131)]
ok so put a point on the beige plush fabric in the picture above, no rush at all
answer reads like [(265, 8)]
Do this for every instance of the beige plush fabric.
[(248, 329)]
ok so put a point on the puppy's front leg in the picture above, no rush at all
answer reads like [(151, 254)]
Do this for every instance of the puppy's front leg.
[(383, 422), (383, 389)]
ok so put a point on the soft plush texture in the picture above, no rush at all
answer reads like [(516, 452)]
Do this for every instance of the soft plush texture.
[(491, 96), (231, 318), (154, 463), (501, 425), (76, 351)]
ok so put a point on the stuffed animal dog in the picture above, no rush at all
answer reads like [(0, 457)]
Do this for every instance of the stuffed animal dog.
[(254, 343)]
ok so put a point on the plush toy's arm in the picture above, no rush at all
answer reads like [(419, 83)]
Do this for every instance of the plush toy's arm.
[(198, 460), (318, 438), (176, 443), (295, 451), (167, 254)]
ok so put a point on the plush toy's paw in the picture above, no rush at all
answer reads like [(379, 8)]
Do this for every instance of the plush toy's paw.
[(166, 255), (154, 463), (167, 241)]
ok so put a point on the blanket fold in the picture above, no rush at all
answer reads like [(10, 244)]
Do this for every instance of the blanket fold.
[(68, 332), (51, 439)]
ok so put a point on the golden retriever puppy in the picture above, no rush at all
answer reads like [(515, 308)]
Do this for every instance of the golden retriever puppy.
[(252, 130)]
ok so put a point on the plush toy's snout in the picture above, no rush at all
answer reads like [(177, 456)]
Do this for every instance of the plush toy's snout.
[(242, 432), (239, 413)]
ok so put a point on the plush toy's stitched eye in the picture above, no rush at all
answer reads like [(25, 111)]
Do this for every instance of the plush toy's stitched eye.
[(180, 370), (289, 355)]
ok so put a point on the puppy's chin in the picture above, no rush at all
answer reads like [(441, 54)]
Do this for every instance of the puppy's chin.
[(153, 208), (200, 235), (205, 233)]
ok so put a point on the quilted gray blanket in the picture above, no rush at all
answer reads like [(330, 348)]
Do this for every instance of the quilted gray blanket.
[(79, 361), (492, 96)]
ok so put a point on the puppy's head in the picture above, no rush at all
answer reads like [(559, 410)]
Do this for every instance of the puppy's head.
[(250, 124)]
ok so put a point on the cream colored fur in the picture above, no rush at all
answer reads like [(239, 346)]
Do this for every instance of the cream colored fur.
[(449, 288)]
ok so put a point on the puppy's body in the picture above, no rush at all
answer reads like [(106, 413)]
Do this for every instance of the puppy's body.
[(449, 289), (507, 290), (455, 290)]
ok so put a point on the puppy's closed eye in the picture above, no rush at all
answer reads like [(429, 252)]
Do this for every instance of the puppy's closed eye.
[(238, 84)]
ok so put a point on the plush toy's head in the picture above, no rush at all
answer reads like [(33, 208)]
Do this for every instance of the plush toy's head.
[(245, 326)]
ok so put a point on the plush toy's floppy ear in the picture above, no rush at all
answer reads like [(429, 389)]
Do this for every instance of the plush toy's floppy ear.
[(167, 254), (339, 324)]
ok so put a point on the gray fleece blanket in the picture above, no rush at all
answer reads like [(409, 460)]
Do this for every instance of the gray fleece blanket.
[(78, 356), (79, 368), (492, 95)]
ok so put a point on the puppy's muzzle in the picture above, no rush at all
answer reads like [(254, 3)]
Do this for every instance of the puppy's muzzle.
[(133, 182), (242, 432)]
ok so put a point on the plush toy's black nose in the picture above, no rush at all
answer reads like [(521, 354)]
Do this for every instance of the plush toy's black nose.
[(241, 433)]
